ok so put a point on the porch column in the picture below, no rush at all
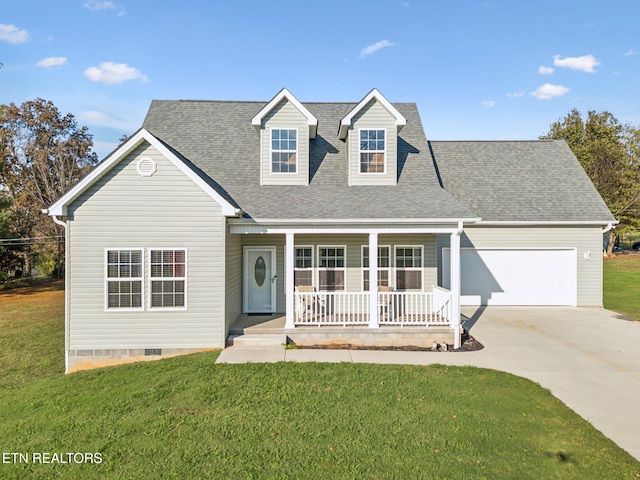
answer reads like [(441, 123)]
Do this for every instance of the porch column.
[(289, 284), (455, 286), (373, 280)]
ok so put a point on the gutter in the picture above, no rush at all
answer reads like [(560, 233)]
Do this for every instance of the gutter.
[(608, 228), (67, 291)]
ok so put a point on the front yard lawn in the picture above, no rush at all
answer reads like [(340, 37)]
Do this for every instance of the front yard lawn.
[(187, 417), (622, 284)]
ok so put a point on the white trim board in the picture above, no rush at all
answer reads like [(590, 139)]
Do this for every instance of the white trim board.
[(59, 208)]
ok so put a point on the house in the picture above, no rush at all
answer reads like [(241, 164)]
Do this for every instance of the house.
[(216, 212)]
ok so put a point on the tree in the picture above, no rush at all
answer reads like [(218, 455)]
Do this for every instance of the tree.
[(42, 155), (9, 252), (609, 152)]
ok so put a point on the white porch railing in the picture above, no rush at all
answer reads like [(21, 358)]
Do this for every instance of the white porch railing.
[(394, 308), (331, 308)]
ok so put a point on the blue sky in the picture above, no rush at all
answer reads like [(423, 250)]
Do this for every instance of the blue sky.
[(478, 69)]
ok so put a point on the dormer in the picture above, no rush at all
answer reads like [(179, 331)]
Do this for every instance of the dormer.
[(370, 131), (285, 127)]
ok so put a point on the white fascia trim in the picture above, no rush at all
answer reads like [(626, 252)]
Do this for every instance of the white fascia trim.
[(543, 223), (312, 121), (345, 123), (60, 207), (352, 221), (263, 229)]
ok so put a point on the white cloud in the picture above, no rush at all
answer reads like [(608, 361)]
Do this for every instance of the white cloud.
[(114, 73), (489, 103), (375, 47), (52, 62), (93, 117), (103, 5), (101, 119), (12, 34), (542, 70), (515, 95), (549, 91), (102, 149), (586, 63), (630, 52)]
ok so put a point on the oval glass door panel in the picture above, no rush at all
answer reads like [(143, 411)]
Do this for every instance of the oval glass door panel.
[(260, 271)]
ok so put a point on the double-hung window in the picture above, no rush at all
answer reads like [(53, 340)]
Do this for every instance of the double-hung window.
[(372, 148), (124, 278), (408, 263), (303, 266), (384, 265), (284, 150), (168, 278), (331, 268)]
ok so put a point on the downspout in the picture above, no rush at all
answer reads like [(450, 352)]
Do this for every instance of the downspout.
[(608, 228), (67, 292), (605, 230), (457, 340)]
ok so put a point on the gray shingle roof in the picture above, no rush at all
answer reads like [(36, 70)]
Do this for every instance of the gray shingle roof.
[(519, 181), (507, 181)]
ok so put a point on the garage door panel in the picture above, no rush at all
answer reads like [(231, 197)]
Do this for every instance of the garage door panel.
[(516, 277)]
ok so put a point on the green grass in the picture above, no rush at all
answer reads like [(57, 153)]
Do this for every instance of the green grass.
[(622, 283), (187, 417)]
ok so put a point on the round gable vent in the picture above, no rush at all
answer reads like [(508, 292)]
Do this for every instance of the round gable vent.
[(146, 167)]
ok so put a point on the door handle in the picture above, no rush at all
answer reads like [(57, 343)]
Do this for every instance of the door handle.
[(274, 278)]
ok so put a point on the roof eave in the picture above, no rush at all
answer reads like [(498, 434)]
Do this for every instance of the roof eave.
[(345, 123), (312, 122), (59, 208)]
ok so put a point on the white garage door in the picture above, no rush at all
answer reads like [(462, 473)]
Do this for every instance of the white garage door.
[(515, 276)]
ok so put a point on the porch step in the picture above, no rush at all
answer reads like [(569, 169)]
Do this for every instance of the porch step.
[(257, 340)]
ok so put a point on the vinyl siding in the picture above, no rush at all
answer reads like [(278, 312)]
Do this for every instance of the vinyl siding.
[(166, 210), (233, 279), (353, 244), (285, 115), (373, 116), (583, 238)]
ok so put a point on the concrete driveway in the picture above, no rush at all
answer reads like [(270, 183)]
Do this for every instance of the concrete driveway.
[(587, 357)]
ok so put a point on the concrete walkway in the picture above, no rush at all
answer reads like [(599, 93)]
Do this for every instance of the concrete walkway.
[(588, 358)]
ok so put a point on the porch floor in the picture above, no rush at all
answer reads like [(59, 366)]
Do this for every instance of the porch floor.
[(327, 335)]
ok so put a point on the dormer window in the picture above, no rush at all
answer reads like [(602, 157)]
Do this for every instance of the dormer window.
[(372, 151), (286, 128), (370, 132), (284, 150)]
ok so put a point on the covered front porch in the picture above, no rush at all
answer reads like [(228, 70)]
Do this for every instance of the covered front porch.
[(319, 283)]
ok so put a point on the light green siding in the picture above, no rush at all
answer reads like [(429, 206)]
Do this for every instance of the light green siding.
[(233, 279), (373, 116), (285, 115), (353, 244), (586, 239), (165, 210)]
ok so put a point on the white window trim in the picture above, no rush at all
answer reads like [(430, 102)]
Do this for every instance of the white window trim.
[(366, 269), (107, 279), (319, 268), (311, 269), (418, 269), (271, 151), (384, 171), (185, 278)]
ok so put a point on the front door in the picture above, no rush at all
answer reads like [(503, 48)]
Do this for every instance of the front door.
[(259, 280)]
